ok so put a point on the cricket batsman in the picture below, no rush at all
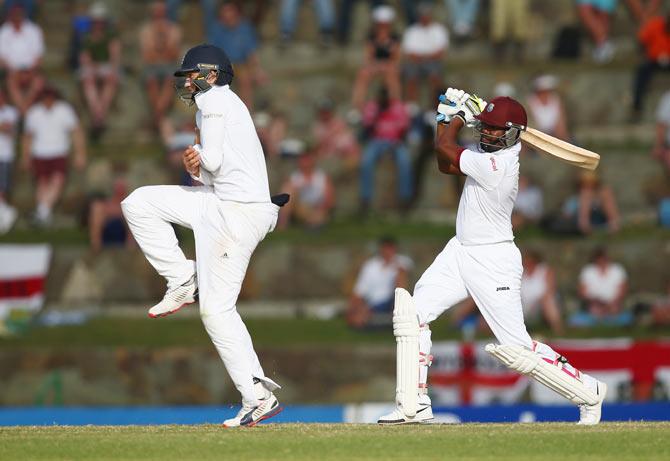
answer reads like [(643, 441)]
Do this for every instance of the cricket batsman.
[(229, 216), (481, 261)]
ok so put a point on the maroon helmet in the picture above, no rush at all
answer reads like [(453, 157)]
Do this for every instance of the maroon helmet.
[(504, 112)]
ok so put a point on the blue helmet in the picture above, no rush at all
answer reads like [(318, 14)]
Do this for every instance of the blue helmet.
[(203, 59)]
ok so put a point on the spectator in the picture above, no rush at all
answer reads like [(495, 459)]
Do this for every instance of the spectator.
[(661, 149), (312, 195), (382, 54), (333, 137), (160, 44), (593, 206), (509, 26), (344, 18), (603, 285), (272, 128), (655, 39), (529, 204), (596, 16), (463, 15), (21, 51), (29, 7), (176, 138), (538, 292), (660, 308), (9, 118), (106, 225), (371, 304), (325, 13), (51, 129), (386, 121), (80, 28), (100, 67), (233, 33), (424, 45), (546, 109)]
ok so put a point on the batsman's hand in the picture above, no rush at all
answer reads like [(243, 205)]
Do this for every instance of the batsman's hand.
[(191, 160), (457, 102)]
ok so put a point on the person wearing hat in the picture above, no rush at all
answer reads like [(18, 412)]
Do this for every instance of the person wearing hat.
[(546, 108), (481, 261), (382, 57), (51, 130), (100, 67), (229, 215)]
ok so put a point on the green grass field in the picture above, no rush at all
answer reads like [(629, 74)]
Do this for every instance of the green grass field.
[(609, 441)]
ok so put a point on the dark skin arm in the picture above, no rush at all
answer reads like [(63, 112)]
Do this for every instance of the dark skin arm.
[(446, 147)]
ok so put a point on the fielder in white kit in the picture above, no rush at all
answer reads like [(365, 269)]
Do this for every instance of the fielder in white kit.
[(481, 261), (229, 216)]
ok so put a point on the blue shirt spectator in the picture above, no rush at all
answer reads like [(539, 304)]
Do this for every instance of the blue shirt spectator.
[(230, 31)]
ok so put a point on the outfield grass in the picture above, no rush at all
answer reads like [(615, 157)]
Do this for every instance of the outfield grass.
[(188, 331), (518, 442)]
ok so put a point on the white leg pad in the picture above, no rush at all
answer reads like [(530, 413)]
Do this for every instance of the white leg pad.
[(406, 331), (553, 375)]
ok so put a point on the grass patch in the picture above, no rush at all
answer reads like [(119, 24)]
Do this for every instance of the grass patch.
[(176, 331), (518, 442)]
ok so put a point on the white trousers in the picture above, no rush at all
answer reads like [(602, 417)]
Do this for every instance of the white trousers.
[(491, 274), (226, 234)]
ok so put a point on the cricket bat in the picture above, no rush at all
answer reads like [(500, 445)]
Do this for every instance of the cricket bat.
[(560, 149)]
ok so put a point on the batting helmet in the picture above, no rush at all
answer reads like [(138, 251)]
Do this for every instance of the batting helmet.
[(203, 59), (504, 112)]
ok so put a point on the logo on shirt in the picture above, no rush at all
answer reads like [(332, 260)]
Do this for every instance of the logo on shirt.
[(493, 163), (502, 289), (212, 115), (490, 107)]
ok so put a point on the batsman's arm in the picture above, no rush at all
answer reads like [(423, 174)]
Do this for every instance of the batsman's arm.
[(212, 137), (446, 148)]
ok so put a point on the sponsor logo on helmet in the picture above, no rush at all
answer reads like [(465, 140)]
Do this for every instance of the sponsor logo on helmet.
[(490, 107)]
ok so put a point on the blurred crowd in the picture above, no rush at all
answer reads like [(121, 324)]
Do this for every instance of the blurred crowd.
[(389, 115)]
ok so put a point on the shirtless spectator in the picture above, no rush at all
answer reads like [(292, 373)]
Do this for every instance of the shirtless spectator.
[(106, 225), (661, 149), (21, 51), (160, 44), (333, 137)]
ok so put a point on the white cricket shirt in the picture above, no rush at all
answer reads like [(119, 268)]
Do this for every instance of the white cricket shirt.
[(8, 115), (21, 49), (485, 209), (230, 151), (425, 40), (51, 129)]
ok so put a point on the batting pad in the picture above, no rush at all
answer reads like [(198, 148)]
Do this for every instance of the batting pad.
[(406, 331), (551, 374)]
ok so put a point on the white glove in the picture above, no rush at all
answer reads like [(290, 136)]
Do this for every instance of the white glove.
[(454, 101)]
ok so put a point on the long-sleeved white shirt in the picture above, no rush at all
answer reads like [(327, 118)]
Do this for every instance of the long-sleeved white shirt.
[(231, 156)]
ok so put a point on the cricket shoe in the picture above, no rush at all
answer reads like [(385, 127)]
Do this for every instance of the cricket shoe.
[(424, 414), (268, 405), (175, 299), (589, 415)]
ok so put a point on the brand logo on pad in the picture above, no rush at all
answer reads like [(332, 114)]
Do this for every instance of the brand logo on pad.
[(502, 289)]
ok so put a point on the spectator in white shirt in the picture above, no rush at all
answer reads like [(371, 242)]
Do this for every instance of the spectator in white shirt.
[(312, 195), (661, 149), (21, 50), (371, 303), (51, 130), (424, 45), (603, 285), (546, 108), (529, 204), (9, 117), (539, 298)]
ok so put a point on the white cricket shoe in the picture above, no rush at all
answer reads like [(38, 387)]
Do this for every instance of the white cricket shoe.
[(589, 415), (424, 414), (268, 406), (175, 299)]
